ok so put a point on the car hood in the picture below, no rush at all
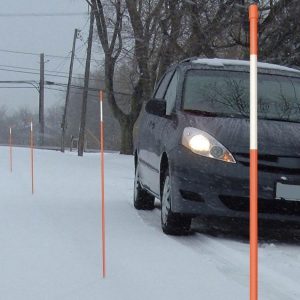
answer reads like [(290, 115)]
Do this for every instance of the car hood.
[(274, 137)]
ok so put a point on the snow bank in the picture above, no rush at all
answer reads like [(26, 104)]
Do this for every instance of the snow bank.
[(50, 242)]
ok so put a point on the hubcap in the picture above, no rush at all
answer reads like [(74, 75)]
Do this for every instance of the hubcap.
[(166, 200)]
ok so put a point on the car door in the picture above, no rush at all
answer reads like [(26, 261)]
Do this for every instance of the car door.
[(167, 121), (169, 134), (149, 141)]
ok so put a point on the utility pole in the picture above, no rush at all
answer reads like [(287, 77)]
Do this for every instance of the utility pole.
[(64, 119), (41, 100), (81, 141)]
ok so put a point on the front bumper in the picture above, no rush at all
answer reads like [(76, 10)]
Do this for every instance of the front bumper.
[(204, 186)]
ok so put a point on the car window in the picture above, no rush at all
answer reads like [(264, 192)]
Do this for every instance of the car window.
[(160, 92), (227, 92), (171, 94)]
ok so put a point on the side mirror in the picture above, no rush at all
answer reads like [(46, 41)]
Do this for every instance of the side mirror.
[(156, 107)]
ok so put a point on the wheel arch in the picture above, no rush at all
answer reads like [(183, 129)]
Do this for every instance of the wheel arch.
[(164, 165), (135, 159)]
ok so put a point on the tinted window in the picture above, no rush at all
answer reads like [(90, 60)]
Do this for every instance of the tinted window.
[(227, 93), (160, 93), (171, 94)]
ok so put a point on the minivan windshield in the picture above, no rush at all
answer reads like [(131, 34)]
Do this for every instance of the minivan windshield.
[(226, 93)]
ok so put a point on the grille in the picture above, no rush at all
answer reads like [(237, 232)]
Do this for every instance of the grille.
[(281, 207), (272, 163)]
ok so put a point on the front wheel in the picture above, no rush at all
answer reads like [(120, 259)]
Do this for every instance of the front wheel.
[(142, 200), (171, 223)]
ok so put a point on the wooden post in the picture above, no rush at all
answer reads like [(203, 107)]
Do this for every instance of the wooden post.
[(81, 142), (64, 119), (42, 101)]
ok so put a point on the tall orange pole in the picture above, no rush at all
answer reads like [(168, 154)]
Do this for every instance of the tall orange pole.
[(102, 186), (253, 17), (10, 150), (31, 157)]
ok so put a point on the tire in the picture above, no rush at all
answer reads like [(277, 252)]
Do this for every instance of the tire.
[(171, 223), (142, 200)]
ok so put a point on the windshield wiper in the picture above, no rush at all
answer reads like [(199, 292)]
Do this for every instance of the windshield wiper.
[(202, 113), (214, 114), (280, 120)]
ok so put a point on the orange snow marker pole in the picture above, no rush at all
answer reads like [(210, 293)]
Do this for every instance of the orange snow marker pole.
[(10, 150), (31, 157), (253, 17), (102, 186)]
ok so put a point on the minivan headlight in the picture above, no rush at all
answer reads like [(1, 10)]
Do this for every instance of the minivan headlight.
[(200, 142)]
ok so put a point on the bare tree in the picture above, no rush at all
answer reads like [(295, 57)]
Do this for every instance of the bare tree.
[(279, 28), (149, 35), (112, 46), (144, 18)]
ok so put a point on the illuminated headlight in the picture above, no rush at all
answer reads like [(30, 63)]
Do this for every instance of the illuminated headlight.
[(202, 143), (199, 143)]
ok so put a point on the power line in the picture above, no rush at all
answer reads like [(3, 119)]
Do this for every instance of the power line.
[(77, 93), (47, 71), (19, 52), (58, 14), (36, 73), (90, 88), (85, 25), (79, 61), (89, 94), (33, 69), (16, 87), (59, 84), (38, 54), (62, 63), (8, 68), (48, 88)]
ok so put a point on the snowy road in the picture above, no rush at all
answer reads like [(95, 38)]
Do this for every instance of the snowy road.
[(50, 242)]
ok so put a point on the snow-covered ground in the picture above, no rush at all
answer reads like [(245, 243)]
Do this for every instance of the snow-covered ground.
[(50, 242)]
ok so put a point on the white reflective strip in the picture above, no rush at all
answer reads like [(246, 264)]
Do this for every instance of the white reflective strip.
[(101, 111), (31, 127), (253, 102), (10, 131)]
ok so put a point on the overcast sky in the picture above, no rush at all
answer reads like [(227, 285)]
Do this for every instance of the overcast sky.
[(51, 35)]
